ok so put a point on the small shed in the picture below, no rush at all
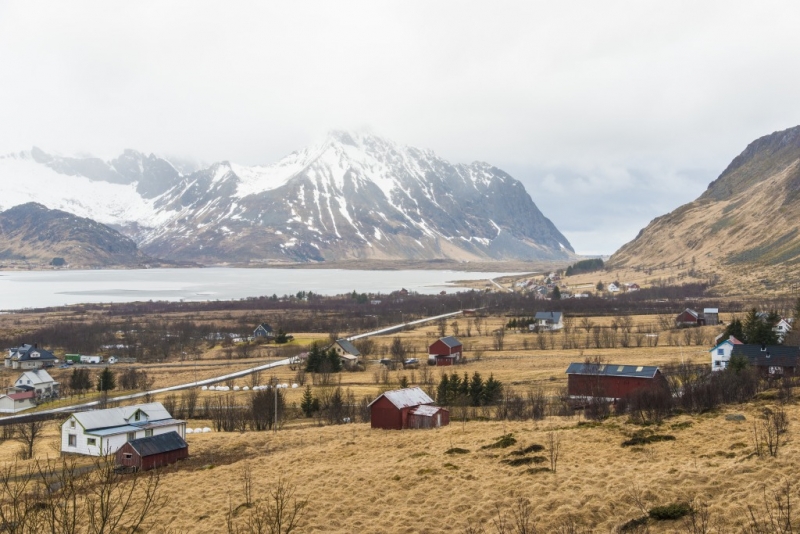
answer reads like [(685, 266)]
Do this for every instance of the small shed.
[(154, 451), (406, 408), (711, 316), (445, 351), (610, 381)]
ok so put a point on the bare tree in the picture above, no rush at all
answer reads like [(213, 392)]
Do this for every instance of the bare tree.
[(27, 433), (553, 449)]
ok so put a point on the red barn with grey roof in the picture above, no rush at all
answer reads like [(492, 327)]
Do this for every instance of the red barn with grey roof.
[(445, 351), (406, 408), (610, 381)]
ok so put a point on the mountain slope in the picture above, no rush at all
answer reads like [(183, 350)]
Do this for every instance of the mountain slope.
[(745, 225), (352, 196), (32, 234)]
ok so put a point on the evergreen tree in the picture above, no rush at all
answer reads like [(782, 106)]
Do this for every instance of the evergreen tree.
[(476, 389), (453, 387), (750, 326), (334, 360), (79, 380), (492, 390), (556, 294), (403, 382), (738, 363), (307, 404), (106, 381), (315, 359), (280, 337), (443, 390), (734, 329), (463, 387)]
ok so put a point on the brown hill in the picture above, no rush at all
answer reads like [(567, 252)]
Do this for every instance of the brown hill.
[(742, 230), (32, 235)]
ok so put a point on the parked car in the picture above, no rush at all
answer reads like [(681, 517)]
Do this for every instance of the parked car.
[(411, 363)]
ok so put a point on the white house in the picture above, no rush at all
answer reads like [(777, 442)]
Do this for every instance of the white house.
[(547, 321), (38, 381), (29, 357), (16, 402), (781, 329), (721, 354), (101, 432), (612, 288)]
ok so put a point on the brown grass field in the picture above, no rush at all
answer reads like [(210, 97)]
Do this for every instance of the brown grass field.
[(361, 480)]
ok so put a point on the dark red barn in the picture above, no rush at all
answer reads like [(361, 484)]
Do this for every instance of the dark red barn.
[(611, 381), (445, 351), (689, 317), (154, 451), (406, 408)]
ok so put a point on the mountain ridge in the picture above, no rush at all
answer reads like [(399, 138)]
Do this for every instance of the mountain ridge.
[(352, 196)]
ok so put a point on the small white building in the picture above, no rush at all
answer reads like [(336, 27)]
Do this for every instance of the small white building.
[(781, 329), (102, 432), (547, 321), (612, 288), (18, 401), (721, 354), (40, 382)]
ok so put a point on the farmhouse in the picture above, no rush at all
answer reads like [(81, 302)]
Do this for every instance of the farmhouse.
[(40, 382), (782, 328), (264, 331), (610, 381), (721, 354), (348, 353), (770, 360), (101, 432), (688, 317), (29, 357), (406, 408), (156, 451), (445, 351), (545, 321), (16, 402)]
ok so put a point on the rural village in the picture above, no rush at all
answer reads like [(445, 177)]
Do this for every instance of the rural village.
[(519, 380)]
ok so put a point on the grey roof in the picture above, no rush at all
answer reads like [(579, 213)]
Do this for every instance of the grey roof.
[(265, 326), (403, 398), (114, 430), (548, 316), (710, 310), (24, 352), (171, 441), (610, 369), (111, 417), (426, 410), (348, 347), (37, 376), (450, 341), (768, 355)]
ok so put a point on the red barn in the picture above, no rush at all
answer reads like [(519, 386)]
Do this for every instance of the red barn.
[(689, 317), (406, 408), (154, 451), (445, 351), (611, 381)]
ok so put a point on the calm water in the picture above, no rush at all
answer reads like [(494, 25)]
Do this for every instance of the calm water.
[(35, 289)]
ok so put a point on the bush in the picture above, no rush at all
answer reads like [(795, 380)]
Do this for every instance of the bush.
[(503, 442), (675, 510), (456, 450), (640, 438), (514, 462)]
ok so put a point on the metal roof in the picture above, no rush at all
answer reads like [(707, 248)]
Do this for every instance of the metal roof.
[(23, 395), (39, 376), (171, 441), (404, 398), (111, 417), (450, 341), (348, 347), (610, 369), (23, 353), (548, 316), (124, 429), (426, 410), (710, 310), (769, 355)]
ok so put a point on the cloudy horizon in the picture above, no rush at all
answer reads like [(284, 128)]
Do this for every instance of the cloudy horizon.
[(610, 115)]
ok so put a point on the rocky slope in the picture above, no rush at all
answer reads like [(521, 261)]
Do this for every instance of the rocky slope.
[(353, 196), (32, 235), (744, 227)]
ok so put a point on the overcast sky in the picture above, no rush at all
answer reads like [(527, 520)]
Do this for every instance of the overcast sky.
[(610, 113)]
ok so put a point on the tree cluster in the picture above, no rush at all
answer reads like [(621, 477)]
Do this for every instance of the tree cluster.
[(453, 390), (585, 266), (323, 361)]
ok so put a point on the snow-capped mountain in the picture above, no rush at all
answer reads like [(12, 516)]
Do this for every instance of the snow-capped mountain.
[(355, 195)]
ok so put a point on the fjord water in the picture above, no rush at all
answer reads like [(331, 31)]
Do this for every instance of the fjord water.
[(37, 289)]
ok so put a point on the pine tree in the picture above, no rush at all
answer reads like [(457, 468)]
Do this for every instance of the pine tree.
[(106, 381), (476, 389), (307, 404), (556, 294), (443, 390), (492, 390), (734, 329), (315, 358), (334, 360)]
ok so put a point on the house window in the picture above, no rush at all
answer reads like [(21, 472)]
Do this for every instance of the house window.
[(72, 423), (720, 352), (131, 436), (72, 440), (127, 455), (91, 442), (148, 432), (136, 416), (718, 363)]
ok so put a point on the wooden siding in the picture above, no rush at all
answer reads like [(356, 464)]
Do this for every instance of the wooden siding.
[(610, 387), (143, 463), (439, 419)]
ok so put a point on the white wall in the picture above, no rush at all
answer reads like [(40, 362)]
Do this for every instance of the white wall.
[(108, 444)]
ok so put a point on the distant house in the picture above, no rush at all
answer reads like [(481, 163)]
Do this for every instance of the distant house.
[(688, 317), (633, 287), (612, 288), (264, 331), (40, 382), (406, 408), (101, 432), (348, 353), (29, 357), (711, 316), (17, 401), (545, 321), (445, 351), (770, 360), (782, 328), (721, 353), (155, 451), (611, 381)]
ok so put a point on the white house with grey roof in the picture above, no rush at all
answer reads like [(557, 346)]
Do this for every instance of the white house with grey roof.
[(102, 432), (38, 381), (547, 321), (348, 353), (29, 357)]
